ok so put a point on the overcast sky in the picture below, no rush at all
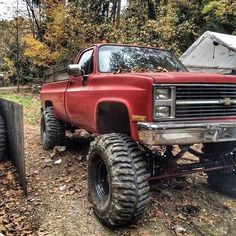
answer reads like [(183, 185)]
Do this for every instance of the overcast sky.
[(123, 3), (8, 8)]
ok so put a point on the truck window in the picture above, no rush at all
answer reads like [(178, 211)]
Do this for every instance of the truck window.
[(137, 59), (86, 62)]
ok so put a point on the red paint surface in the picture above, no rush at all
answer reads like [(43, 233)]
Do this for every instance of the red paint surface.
[(77, 104)]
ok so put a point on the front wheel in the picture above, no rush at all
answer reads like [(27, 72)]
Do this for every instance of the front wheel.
[(117, 180), (221, 181)]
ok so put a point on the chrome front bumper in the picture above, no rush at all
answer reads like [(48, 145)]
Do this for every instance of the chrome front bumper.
[(170, 133)]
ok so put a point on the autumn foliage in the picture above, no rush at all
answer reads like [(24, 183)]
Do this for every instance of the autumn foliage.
[(58, 30)]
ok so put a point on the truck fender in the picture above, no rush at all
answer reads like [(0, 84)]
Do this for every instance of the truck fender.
[(113, 116)]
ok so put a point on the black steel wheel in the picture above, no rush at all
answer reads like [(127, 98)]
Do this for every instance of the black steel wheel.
[(117, 180), (3, 139), (52, 130), (102, 179)]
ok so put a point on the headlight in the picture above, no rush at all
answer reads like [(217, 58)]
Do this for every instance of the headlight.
[(162, 93), (164, 102), (162, 112)]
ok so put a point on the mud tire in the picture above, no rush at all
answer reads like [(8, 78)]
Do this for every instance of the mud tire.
[(223, 183), (220, 180), (52, 130), (125, 196), (3, 139)]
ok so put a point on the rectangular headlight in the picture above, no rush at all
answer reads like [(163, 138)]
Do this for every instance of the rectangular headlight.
[(162, 112), (162, 93)]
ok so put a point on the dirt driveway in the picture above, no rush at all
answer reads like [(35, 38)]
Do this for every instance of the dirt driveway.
[(57, 202)]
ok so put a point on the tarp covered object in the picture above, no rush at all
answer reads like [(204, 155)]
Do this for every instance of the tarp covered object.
[(212, 52)]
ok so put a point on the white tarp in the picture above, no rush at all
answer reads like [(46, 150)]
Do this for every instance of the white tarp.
[(212, 52)]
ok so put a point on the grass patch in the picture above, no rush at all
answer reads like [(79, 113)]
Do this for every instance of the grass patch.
[(31, 104)]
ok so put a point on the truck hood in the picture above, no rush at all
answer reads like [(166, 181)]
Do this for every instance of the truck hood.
[(190, 77)]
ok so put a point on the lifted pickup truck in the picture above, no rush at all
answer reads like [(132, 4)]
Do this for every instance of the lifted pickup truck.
[(141, 101)]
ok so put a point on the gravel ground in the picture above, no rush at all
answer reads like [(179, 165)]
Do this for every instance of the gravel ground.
[(57, 202)]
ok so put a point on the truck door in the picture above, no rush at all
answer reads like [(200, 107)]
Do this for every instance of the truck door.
[(76, 96)]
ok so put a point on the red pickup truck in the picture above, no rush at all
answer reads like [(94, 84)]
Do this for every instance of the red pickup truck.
[(141, 101)]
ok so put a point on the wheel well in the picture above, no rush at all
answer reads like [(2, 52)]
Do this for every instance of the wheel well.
[(113, 117), (48, 104)]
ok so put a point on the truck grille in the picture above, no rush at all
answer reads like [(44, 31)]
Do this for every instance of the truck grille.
[(205, 101)]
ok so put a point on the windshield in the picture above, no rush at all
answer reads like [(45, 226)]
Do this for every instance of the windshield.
[(115, 59)]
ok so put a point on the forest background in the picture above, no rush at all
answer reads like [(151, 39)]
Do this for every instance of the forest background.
[(53, 31)]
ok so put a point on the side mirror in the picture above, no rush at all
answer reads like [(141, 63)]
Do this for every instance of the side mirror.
[(74, 70)]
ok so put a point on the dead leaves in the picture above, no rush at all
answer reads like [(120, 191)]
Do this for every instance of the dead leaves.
[(14, 211)]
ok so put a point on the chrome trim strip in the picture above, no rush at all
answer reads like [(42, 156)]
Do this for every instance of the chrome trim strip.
[(171, 133), (189, 102), (206, 85), (186, 124)]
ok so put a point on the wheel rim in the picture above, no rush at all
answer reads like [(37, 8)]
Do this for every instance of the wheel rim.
[(102, 185)]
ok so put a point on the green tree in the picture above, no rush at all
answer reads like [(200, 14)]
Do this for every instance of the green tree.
[(220, 15)]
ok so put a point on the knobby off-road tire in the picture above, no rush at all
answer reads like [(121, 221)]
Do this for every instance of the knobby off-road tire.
[(52, 130), (117, 180), (220, 180), (3, 139)]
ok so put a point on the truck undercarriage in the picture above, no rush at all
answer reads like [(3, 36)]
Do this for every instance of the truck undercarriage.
[(167, 165)]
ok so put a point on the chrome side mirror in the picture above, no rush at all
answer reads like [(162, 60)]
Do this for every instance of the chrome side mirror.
[(74, 70)]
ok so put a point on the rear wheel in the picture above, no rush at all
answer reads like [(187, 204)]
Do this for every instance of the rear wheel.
[(3, 139), (117, 180), (52, 130), (221, 181)]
